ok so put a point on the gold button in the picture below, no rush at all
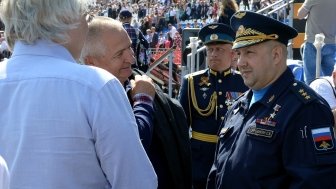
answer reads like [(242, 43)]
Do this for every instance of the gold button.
[(222, 118), (219, 81), (220, 93), (221, 106)]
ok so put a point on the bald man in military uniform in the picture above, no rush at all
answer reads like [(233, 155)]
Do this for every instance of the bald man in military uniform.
[(279, 134), (206, 96)]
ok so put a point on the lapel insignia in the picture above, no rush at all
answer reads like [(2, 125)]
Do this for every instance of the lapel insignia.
[(322, 138), (204, 81), (271, 99)]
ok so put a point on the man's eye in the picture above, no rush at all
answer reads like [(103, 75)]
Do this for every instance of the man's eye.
[(117, 55)]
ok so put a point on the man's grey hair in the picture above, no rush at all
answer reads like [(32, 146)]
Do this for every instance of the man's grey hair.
[(31, 20), (95, 44)]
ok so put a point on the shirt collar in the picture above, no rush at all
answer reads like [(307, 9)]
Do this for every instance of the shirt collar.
[(42, 48)]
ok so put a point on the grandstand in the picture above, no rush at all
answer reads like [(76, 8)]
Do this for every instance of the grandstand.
[(282, 10)]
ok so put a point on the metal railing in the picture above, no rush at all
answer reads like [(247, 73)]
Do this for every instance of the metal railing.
[(280, 10), (169, 54)]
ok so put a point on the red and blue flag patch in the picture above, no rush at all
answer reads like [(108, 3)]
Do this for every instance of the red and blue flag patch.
[(323, 138)]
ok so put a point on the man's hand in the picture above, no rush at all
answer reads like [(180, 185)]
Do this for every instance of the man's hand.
[(142, 84)]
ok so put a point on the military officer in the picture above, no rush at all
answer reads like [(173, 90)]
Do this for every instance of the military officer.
[(279, 134), (206, 95)]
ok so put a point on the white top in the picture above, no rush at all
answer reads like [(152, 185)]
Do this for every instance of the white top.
[(67, 126), (323, 88)]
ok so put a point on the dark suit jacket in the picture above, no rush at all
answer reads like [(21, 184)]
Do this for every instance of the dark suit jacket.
[(170, 151)]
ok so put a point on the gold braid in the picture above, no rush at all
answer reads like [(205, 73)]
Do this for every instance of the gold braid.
[(212, 104)]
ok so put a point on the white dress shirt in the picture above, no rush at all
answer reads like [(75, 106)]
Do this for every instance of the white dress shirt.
[(67, 126)]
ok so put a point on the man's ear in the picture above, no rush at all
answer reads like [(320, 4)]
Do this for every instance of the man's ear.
[(277, 53), (89, 60)]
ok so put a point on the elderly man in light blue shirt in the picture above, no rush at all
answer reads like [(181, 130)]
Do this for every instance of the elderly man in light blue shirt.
[(63, 125)]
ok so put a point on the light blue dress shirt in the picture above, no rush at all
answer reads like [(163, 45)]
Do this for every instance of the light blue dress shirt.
[(67, 126)]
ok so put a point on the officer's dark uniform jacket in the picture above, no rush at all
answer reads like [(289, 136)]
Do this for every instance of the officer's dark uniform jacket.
[(205, 97), (285, 140)]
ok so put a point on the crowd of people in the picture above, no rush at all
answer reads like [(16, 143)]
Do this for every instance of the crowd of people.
[(78, 110)]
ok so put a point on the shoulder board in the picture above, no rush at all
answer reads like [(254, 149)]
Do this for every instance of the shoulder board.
[(303, 92), (198, 73)]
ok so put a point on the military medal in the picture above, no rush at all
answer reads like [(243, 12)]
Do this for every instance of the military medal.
[(266, 122)]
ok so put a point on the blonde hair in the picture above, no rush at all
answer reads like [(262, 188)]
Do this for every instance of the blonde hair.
[(31, 20), (95, 44)]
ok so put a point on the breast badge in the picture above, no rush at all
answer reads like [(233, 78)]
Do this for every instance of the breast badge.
[(204, 85), (204, 81)]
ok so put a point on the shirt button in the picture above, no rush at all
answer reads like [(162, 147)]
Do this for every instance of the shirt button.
[(219, 81), (222, 118), (220, 93), (220, 106)]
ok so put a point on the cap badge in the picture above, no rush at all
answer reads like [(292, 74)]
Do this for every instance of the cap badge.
[(213, 36), (240, 15), (213, 27), (240, 31)]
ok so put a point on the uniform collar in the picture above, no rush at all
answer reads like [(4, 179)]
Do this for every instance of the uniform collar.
[(224, 73), (277, 88)]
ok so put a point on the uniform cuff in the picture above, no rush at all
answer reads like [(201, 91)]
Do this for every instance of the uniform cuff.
[(143, 98)]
